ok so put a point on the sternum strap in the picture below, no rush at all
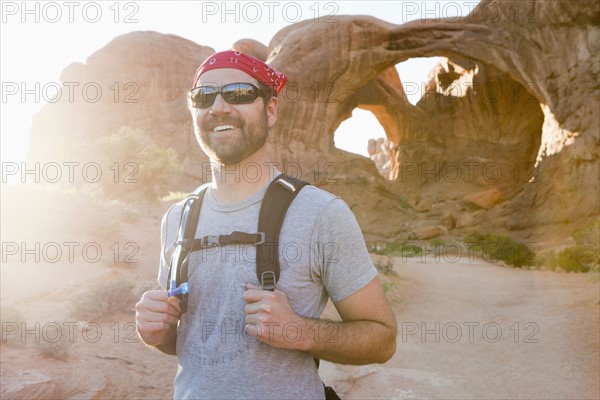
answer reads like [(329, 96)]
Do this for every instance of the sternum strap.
[(235, 237)]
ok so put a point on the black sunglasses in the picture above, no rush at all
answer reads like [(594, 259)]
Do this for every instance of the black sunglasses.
[(232, 93)]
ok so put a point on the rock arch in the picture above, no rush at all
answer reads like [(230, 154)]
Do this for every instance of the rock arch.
[(358, 51)]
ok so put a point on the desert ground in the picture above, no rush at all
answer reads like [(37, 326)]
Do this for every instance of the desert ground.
[(467, 329)]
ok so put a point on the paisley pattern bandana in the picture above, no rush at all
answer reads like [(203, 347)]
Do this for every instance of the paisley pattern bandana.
[(254, 67)]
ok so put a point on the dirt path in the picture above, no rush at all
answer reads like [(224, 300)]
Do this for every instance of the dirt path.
[(478, 330)]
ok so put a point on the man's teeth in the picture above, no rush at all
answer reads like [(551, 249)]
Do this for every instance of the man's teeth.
[(221, 128)]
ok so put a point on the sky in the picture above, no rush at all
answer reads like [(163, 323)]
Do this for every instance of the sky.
[(38, 39)]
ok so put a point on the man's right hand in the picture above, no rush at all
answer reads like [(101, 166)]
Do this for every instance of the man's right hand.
[(155, 314)]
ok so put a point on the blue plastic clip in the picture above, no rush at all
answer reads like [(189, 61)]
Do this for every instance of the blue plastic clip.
[(184, 288)]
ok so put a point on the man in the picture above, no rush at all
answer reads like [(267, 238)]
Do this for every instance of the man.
[(238, 340)]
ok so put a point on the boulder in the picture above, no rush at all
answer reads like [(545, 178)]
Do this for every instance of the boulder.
[(449, 221), (429, 232), (252, 47), (423, 205), (486, 199), (464, 220)]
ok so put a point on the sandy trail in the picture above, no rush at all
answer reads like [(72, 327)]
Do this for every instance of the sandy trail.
[(477, 330)]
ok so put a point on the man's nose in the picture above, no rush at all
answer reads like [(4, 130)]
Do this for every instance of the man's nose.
[(220, 106)]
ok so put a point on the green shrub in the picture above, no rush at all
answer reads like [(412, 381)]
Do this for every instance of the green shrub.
[(549, 260), (437, 244), (588, 237), (583, 257), (587, 240), (387, 286), (595, 275), (501, 247), (396, 248), (372, 247), (138, 166), (403, 202), (385, 266), (573, 259)]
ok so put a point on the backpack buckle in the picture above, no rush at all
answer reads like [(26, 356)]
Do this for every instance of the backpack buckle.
[(262, 238), (268, 280), (210, 241)]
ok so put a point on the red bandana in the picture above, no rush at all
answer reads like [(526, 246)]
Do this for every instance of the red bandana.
[(254, 67)]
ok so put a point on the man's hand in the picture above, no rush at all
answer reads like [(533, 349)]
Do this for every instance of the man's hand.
[(366, 334), (155, 315), (271, 319)]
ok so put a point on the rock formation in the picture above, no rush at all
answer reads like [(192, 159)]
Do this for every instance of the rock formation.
[(531, 117), (511, 111), (379, 151), (143, 79)]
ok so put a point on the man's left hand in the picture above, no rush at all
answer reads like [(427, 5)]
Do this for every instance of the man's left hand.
[(271, 319)]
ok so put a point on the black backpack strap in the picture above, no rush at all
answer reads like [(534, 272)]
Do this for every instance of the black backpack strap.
[(280, 194), (188, 223)]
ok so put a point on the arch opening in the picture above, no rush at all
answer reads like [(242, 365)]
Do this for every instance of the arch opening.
[(462, 114), (476, 122), (414, 74), (361, 133)]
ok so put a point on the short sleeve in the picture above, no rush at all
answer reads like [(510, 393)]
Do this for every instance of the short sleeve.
[(343, 263)]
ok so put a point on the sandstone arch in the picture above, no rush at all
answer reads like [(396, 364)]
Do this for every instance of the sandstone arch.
[(518, 44)]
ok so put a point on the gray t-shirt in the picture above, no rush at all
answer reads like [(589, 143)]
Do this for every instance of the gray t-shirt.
[(322, 254)]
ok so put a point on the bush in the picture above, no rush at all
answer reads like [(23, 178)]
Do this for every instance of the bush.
[(385, 267), (373, 247), (438, 244), (103, 300), (570, 259), (143, 167), (396, 248), (573, 259), (549, 260), (501, 247), (588, 237), (387, 286), (587, 240), (583, 257)]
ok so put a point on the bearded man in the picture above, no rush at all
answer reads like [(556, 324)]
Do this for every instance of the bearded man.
[(239, 340)]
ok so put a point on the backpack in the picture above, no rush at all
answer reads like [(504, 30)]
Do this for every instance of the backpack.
[(278, 197)]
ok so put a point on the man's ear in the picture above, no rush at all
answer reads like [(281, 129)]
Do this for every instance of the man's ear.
[(272, 111)]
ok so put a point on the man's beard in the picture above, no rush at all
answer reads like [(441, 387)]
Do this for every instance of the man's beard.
[(228, 150)]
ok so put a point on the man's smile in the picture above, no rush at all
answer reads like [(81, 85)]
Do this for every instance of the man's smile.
[(223, 128)]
